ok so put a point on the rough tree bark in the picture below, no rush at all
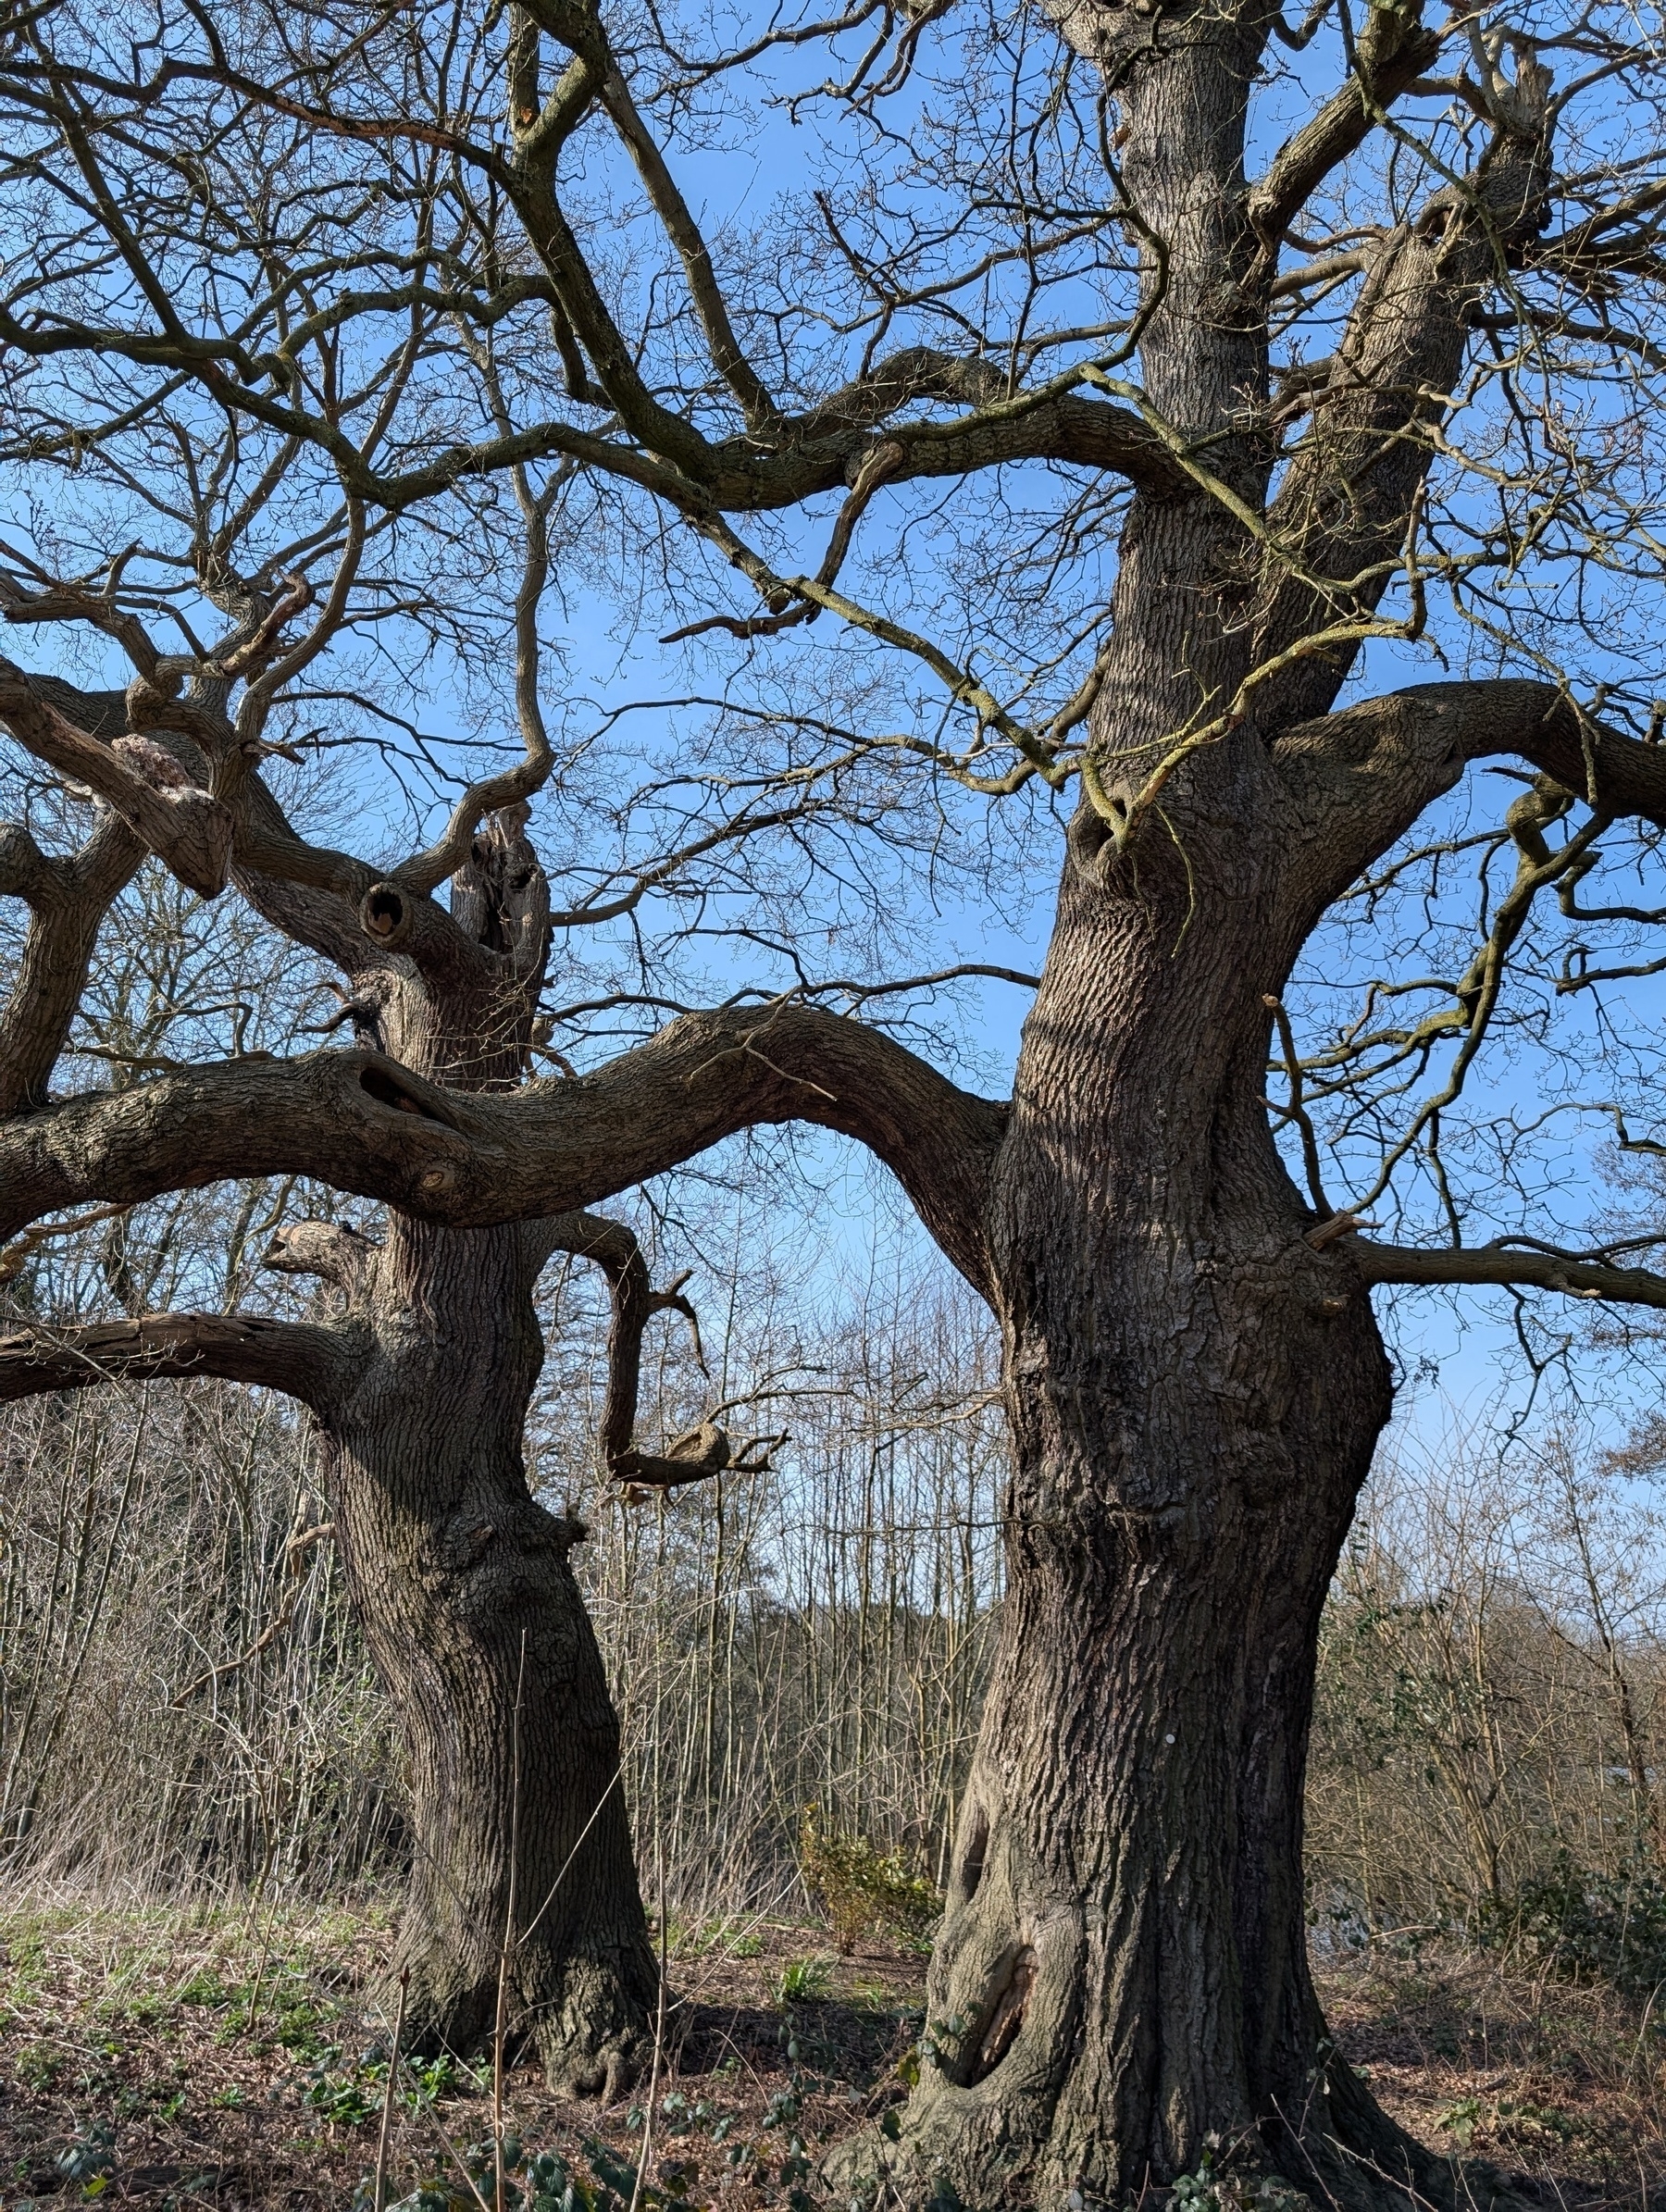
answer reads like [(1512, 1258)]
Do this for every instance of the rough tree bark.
[(1122, 1979), (1121, 1975), (460, 1579)]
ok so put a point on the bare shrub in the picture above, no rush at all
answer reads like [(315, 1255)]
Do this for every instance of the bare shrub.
[(154, 1734), (1488, 1709), (185, 1702)]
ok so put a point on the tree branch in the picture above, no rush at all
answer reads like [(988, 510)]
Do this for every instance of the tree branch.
[(330, 900), (68, 900), (1359, 777), (305, 1360), (424, 870), (185, 827), (1494, 1263), (362, 1122), (706, 1451), (728, 355), (1340, 518), (325, 1248), (1392, 49)]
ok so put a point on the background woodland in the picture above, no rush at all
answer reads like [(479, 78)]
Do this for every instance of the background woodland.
[(186, 1710)]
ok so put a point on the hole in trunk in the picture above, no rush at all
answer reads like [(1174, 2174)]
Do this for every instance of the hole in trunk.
[(1007, 2017), (387, 1091), (977, 1851), (386, 915)]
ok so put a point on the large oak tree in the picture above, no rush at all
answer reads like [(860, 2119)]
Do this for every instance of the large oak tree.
[(1132, 374)]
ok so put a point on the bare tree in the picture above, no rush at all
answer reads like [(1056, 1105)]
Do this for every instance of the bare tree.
[(1395, 383), (419, 1379)]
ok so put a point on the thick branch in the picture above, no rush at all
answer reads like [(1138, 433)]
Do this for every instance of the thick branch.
[(819, 453), (364, 1123), (189, 830), (615, 1251), (325, 1248), (304, 1360), (69, 899), (283, 877), (1393, 50), (1492, 1263), (315, 895), (1540, 723), (1336, 529), (1359, 777)]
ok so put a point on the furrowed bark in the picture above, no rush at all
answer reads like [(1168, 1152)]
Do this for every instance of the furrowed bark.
[(1339, 524), (461, 1577), (420, 1390), (470, 1607), (1121, 1985), (475, 1620), (1121, 1981), (1121, 1976)]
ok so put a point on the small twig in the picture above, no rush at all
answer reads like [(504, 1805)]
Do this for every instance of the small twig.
[(659, 2022), (1295, 1108), (380, 2196), (500, 2025), (303, 1541)]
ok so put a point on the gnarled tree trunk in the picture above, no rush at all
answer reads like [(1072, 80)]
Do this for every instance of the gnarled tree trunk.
[(1121, 1991), (523, 1865), (420, 1386), (469, 1606), (1193, 1374), (522, 1858), (1121, 1985)]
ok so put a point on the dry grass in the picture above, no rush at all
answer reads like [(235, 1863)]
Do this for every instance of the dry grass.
[(1563, 2086), (231, 2062), (235, 2065)]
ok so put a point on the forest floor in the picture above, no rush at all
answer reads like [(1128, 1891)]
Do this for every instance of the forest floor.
[(225, 2060)]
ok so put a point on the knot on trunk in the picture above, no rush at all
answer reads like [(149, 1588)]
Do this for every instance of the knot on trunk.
[(154, 762)]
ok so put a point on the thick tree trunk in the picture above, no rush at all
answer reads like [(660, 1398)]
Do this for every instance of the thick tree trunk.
[(1120, 1992), (461, 1579), (476, 1622)]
